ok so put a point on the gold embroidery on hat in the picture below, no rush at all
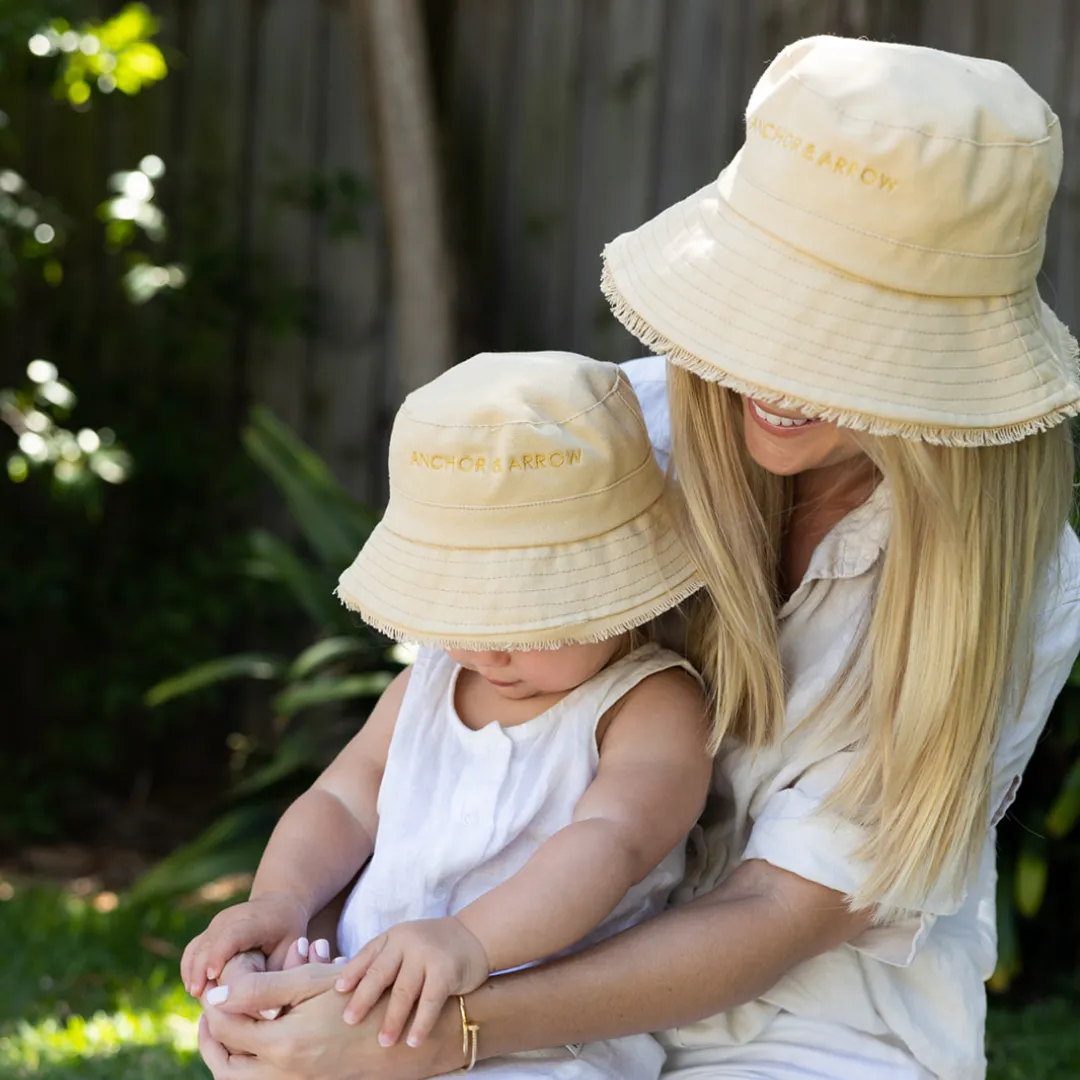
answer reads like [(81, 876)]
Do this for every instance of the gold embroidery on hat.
[(475, 463), (824, 158)]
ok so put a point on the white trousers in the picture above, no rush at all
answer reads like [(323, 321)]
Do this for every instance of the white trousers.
[(639, 1057), (792, 1048)]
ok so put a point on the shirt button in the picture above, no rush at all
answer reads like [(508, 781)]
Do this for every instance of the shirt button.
[(439, 893)]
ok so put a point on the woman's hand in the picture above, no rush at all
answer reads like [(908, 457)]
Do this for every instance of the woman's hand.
[(310, 1041)]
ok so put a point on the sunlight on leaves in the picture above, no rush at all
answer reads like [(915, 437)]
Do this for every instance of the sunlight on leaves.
[(35, 414), (117, 54), (51, 1043)]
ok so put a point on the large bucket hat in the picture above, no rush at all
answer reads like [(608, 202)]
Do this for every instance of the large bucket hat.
[(526, 511), (870, 254)]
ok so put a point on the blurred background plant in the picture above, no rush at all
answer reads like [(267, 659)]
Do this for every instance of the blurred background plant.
[(345, 664)]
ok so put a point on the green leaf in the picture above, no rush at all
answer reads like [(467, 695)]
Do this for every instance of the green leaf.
[(1074, 676), (244, 665), (333, 523), (1032, 868), (325, 691), (1063, 814), (312, 588), (297, 752), (327, 651), (231, 845), (1009, 962)]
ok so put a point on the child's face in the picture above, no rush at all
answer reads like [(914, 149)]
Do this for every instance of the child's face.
[(520, 675)]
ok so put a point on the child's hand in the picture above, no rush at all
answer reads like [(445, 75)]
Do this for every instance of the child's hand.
[(270, 923), (425, 961)]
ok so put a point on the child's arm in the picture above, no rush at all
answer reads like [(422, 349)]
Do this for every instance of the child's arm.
[(649, 790), (313, 852)]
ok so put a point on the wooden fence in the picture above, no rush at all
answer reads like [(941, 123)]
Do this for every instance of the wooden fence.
[(564, 123)]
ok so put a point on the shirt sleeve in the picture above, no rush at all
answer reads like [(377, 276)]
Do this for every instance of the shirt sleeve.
[(796, 832), (648, 377)]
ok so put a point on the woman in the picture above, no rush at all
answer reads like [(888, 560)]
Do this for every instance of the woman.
[(867, 406)]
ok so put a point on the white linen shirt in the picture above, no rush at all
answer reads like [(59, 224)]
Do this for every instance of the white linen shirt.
[(918, 982)]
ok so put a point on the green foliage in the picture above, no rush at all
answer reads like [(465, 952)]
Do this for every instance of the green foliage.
[(90, 989), (103, 604), (116, 54), (347, 663), (76, 460), (1039, 858), (1040, 1042)]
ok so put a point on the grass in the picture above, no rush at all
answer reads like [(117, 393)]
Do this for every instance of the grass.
[(89, 989)]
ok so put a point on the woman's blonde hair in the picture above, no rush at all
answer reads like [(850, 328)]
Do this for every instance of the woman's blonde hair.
[(973, 533)]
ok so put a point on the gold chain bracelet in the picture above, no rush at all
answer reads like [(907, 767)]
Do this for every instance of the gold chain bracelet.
[(470, 1037)]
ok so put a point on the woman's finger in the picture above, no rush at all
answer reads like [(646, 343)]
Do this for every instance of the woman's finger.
[(403, 996), (377, 979), (319, 953), (222, 1064), (294, 957), (260, 992)]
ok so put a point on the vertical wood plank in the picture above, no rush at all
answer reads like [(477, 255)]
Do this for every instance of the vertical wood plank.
[(215, 71), (615, 182), (700, 122), (954, 26), (535, 238), (1065, 221), (351, 370), (283, 170), (482, 82)]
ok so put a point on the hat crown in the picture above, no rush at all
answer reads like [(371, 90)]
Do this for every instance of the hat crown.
[(920, 170), (509, 450)]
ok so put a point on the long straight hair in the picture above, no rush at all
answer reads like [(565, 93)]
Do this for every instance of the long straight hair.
[(944, 655)]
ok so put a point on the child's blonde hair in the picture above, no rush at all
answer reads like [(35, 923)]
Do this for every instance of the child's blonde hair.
[(974, 531)]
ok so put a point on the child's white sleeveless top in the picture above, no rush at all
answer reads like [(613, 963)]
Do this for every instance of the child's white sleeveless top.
[(460, 811)]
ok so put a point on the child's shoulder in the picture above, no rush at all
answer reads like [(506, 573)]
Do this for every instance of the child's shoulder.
[(667, 699)]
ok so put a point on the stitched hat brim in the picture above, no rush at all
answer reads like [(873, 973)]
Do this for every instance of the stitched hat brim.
[(521, 598), (727, 300)]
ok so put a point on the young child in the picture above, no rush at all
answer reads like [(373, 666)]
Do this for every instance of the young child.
[(527, 786)]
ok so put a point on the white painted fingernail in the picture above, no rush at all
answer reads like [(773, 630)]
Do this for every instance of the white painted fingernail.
[(302, 946), (341, 959), (269, 1014), (217, 995), (322, 949)]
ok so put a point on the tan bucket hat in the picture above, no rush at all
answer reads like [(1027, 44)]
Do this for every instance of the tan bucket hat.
[(870, 254), (526, 511)]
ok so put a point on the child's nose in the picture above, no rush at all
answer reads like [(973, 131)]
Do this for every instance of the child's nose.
[(493, 659)]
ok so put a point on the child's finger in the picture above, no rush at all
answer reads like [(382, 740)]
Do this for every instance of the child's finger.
[(198, 961), (235, 938), (187, 971), (428, 1009), (403, 996), (357, 967), (378, 977)]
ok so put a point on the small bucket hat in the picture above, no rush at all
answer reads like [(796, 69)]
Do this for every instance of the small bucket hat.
[(870, 254), (526, 511)]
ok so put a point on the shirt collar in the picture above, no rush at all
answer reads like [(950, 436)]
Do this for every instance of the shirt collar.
[(852, 547)]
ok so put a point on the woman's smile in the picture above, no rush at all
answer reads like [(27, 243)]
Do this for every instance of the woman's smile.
[(777, 422)]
